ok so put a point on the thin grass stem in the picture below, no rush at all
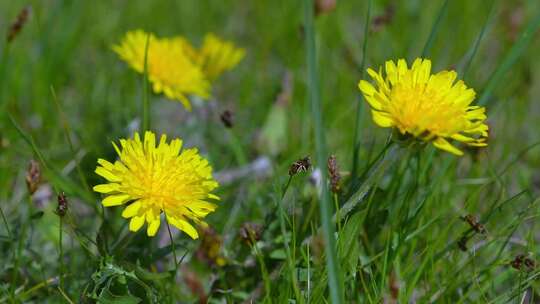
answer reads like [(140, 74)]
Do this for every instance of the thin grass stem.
[(61, 249), (236, 147), (289, 255), (264, 269), (332, 265), (510, 59), (55, 176), (434, 29), (477, 42), (66, 297)]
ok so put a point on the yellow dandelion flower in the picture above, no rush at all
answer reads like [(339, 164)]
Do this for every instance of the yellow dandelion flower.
[(170, 67), (431, 107), (153, 179), (217, 56)]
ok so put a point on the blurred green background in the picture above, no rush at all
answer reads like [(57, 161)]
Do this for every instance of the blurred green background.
[(66, 44)]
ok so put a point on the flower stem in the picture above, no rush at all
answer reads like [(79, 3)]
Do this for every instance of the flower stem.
[(145, 97), (286, 187), (356, 142), (173, 248), (333, 268), (3, 69), (236, 147), (338, 216)]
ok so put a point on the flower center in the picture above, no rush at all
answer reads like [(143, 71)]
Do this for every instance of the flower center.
[(161, 186), (418, 109)]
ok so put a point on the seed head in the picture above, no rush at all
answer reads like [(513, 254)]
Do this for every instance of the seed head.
[(475, 225), (324, 6), (210, 248), (523, 262), (462, 243), (227, 118), (18, 24), (301, 165), (33, 176), (385, 18), (333, 173), (62, 205), (250, 232)]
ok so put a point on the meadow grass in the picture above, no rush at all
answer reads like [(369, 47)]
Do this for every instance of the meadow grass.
[(397, 232)]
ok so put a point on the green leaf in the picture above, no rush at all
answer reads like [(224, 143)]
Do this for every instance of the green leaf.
[(150, 276), (278, 254), (37, 215), (373, 175), (348, 245), (106, 297)]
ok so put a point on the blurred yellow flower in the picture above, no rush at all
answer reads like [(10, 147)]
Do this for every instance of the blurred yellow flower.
[(170, 69), (217, 56), (175, 67), (432, 107), (153, 179)]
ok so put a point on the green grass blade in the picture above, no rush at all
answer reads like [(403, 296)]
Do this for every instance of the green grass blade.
[(356, 143), (434, 29), (334, 281), (510, 59), (67, 133), (289, 255), (374, 174), (30, 141), (5, 222), (477, 42), (55, 176)]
